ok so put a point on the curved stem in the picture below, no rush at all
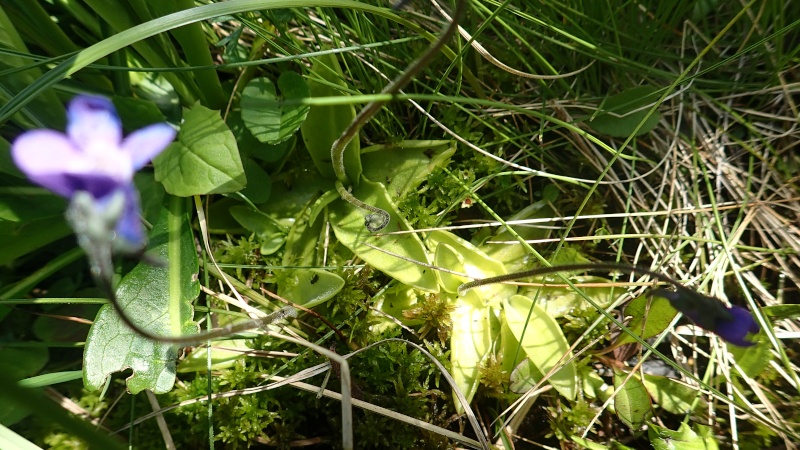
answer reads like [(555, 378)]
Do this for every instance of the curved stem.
[(373, 222), (380, 218)]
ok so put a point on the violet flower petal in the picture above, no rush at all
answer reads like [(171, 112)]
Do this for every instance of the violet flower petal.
[(145, 144), (735, 330), (129, 227), (51, 160), (93, 124)]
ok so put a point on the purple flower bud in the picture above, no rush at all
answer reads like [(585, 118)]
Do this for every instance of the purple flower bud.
[(731, 324), (93, 157)]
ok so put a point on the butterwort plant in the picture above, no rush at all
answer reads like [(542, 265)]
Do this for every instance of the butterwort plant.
[(92, 165)]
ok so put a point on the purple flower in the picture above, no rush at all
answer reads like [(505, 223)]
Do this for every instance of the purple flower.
[(92, 157), (731, 324)]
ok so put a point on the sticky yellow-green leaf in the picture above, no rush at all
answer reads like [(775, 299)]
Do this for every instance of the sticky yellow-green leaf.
[(469, 343), (543, 341), (348, 225)]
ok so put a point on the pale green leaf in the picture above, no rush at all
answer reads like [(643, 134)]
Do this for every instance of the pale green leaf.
[(404, 165), (308, 287), (348, 224), (683, 439), (543, 341), (470, 342)]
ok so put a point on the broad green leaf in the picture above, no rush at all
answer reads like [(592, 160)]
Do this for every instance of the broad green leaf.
[(205, 160), (683, 439), (269, 234), (270, 121), (160, 299), (470, 342), (24, 208), (348, 224), (631, 402), (617, 118), (650, 317), (19, 362), (404, 165), (325, 123), (754, 359), (672, 395), (22, 238), (308, 287), (447, 258), (543, 341), (136, 113)]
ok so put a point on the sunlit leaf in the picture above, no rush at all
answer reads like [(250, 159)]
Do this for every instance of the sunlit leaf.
[(650, 316), (404, 165), (525, 377), (560, 301), (224, 354), (683, 439), (469, 343), (204, 160), (348, 224), (673, 395), (631, 402), (268, 120), (465, 258), (160, 299), (308, 287), (543, 341), (752, 360)]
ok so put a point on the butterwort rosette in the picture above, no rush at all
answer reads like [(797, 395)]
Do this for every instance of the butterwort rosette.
[(92, 165), (732, 324)]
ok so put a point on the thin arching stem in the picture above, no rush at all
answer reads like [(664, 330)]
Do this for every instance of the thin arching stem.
[(378, 219)]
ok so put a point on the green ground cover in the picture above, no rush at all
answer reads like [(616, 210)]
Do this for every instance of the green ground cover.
[(341, 169)]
